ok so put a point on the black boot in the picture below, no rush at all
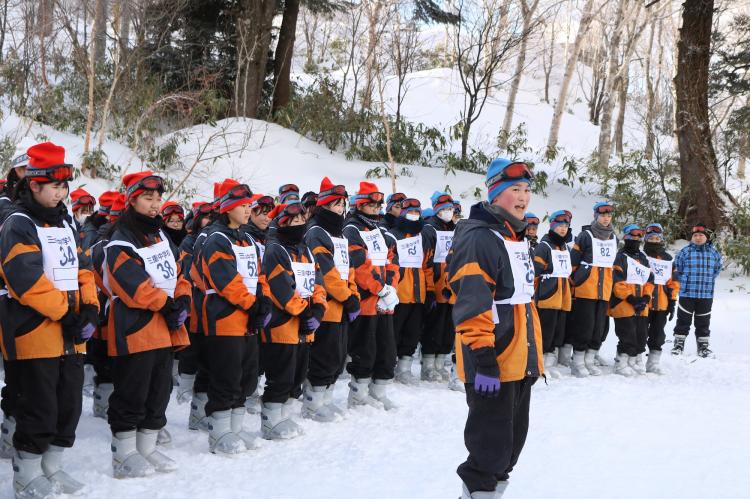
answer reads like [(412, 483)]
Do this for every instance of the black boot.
[(679, 344), (703, 350)]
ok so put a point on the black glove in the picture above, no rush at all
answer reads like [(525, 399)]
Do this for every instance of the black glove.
[(171, 312), (260, 313), (670, 309), (429, 301), (642, 304), (351, 304), (447, 293), (71, 325), (633, 300)]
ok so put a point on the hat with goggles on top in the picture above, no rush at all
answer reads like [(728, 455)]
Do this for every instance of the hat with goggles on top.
[(80, 198), (118, 206), (560, 217), (410, 205), (441, 200), (392, 199), (172, 208), (531, 219), (288, 192), (655, 230), (633, 231), (138, 183), (233, 194), (329, 192), (603, 208), (503, 173), (283, 213), (47, 164), (368, 193)]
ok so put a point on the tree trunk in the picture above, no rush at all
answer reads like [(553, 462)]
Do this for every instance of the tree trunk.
[(46, 15), (282, 63), (554, 130), (622, 100), (99, 6), (3, 27), (702, 196), (528, 13), (99, 34), (125, 17), (744, 148), (253, 41), (650, 96), (374, 10)]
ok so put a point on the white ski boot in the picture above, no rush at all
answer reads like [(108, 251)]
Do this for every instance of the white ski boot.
[(500, 488), (456, 384), (636, 363), (600, 360), (29, 481), (221, 439), (589, 360), (652, 364), (429, 368), (703, 350), (198, 419), (273, 425), (379, 391), (127, 462), (622, 366), (679, 344), (164, 437), (359, 393), (578, 366), (443, 367), (480, 494), (88, 380), (185, 388), (102, 391), (286, 412), (564, 355), (145, 443), (314, 406), (238, 418), (8, 428), (328, 401), (52, 468), (252, 403), (403, 370), (550, 365)]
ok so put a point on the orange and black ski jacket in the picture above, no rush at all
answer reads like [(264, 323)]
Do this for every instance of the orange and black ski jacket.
[(370, 279), (618, 304), (443, 293), (34, 306), (338, 290), (186, 264), (135, 324), (663, 293), (288, 304), (414, 283), (593, 283), (227, 303), (551, 292), (97, 261), (479, 273)]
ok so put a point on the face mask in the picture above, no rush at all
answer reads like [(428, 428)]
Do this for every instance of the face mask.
[(446, 215), (81, 217), (413, 216)]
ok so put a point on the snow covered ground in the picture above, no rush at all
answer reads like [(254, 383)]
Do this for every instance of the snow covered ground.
[(683, 434)]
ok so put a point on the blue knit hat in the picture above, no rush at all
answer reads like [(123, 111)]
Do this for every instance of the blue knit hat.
[(529, 217), (428, 212), (495, 183), (601, 204), (554, 223), (389, 201), (437, 206), (629, 229)]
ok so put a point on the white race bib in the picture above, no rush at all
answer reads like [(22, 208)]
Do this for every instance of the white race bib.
[(443, 245), (377, 250), (410, 252), (662, 270), (561, 264), (523, 273), (304, 278), (341, 256), (247, 264), (262, 248), (603, 252), (59, 255), (159, 263), (637, 274)]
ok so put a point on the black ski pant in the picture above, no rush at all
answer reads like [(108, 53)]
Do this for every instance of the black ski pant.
[(286, 368), (373, 349), (9, 394), (327, 354), (632, 333), (232, 371), (495, 433), (99, 358), (193, 360), (438, 333), (407, 326), (589, 323), (49, 402), (694, 309), (656, 334), (553, 328), (143, 383)]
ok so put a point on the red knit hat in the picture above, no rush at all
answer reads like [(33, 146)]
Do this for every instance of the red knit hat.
[(329, 192), (233, 194), (118, 205), (172, 208), (81, 198), (47, 164), (137, 183), (282, 212), (367, 193), (105, 201)]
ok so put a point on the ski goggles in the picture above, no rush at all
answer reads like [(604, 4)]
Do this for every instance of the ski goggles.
[(635, 233), (174, 209), (372, 197), (410, 203), (701, 229), (396, 197), (85, 201), (203, 209), (336, 190), (150, 183), (604, 209), (57, 173), (237, 192), (310, 200), (290, 211), (265, 203), (445, 198), (562, 218), (511, 172), (654, 229), (532, 221)]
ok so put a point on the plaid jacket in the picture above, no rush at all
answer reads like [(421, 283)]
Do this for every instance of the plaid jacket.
[(698, 268)]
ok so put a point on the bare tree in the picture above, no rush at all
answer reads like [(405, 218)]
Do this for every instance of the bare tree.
[(548, 54), (376, 23), (403, 44), (91, 74), (253, 40), (282, 63)]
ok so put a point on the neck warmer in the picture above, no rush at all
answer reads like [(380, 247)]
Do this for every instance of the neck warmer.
[(291, 235), (600, 231), (331, 222), (502, 216), (49, 216), (557, 239), (632, 247)]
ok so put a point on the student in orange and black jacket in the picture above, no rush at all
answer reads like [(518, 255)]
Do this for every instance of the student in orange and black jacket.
[(93, 223), (374, 261), (150, 304), (331, 252), (498, 337), (438, 333), (629, 305), (299, 304), (666, 290), (592, 257), (234, 310), (47, 317), (416, 286), (392, 210), (552, 267)]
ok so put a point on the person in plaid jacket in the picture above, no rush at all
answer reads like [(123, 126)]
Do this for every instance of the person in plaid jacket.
[(698, 265)]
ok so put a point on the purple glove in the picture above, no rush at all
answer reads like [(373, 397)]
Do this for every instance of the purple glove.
[(182, 318), (486, 386), (353, 315), (311, 324), (267, 320), (87, 331)]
